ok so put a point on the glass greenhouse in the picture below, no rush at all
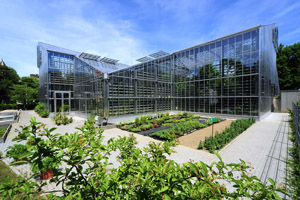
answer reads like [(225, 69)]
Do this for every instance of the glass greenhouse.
[(232, 75)]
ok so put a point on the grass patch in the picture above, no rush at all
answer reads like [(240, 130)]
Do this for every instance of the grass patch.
[(2, 131), (6, 171)]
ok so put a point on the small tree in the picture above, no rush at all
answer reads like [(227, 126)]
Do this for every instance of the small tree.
[(26, 92)]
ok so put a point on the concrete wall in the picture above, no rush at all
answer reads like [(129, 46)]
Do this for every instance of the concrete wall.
[(287, 97)]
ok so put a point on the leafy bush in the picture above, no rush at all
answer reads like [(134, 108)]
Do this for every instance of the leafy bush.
[(221, 139), (41, 110), (135, 130), (144, 119), (200, 145), (298, 104), (140, 172), (40, 107), (137, 121), (1, 154), (17, 152), (166, 124), (146, 126), (61, 118), (164, 135), (44, 113)]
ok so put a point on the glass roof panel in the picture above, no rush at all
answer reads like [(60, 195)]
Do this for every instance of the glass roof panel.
[(159, 54)]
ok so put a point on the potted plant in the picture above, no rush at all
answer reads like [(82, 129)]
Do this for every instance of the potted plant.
[(44, 157), (44, 114), (46, 168)]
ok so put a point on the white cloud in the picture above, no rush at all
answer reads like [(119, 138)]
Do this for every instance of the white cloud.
[(21, 31)]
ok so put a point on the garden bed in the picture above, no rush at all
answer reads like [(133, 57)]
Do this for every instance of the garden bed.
[(4, 130), (167, 127), (192, 140), (219, 140)]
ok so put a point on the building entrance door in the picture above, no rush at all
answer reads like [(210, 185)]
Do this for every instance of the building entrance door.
[(62, 98)]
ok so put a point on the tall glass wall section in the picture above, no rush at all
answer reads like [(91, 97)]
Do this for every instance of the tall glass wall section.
[(142, 88), (88, 88), (219, 77), (269, 85)]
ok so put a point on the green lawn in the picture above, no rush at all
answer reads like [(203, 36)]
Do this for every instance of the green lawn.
[(6, 171)]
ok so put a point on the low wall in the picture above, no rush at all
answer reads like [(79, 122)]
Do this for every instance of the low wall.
[(287, 99)]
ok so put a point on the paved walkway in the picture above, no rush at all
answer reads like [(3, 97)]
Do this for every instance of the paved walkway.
[(264, 145)]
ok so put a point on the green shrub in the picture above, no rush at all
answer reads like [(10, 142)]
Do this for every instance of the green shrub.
[(137, 121), (135, 129), (144, 119), (164, 135), (61, 118), (44, 113), (39, 108), (146, 126), (17, 152), (200, 145)]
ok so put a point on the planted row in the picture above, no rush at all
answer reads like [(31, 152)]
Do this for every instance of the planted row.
[(179, 129), (221, 139)]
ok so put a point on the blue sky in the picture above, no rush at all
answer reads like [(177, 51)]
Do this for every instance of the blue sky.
[(127, 30)]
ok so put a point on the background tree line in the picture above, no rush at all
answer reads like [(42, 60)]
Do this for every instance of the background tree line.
[(288, 66), (16, 92)]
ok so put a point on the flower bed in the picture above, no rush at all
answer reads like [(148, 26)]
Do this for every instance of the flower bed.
[(166, 127)]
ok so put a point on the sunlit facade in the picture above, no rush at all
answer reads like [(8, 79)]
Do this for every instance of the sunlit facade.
[(232, 75)]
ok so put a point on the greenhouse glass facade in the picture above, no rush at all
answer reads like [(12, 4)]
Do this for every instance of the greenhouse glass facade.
[(232, 75)]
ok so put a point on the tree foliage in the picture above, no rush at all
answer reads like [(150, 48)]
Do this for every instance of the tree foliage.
[(140, 173), (8, 77), (26, 92), (288, 66)]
